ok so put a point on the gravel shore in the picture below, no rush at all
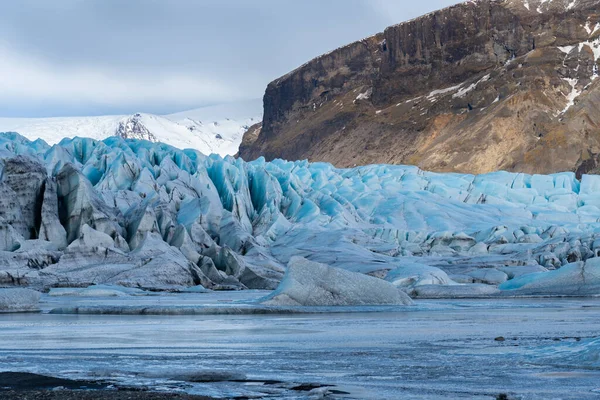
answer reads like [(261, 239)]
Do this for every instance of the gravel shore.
[(27, 386), (93, 395)]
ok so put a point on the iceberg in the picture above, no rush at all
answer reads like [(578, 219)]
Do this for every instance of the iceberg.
[(412, 275), (576, 279), (308, 283), (462, 291), (98, 291), (19, 300)]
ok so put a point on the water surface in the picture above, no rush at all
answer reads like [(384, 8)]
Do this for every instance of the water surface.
[(434, 350)]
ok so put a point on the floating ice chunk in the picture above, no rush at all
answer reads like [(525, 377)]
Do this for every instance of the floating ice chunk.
[(490, 276), (308, 283), (18, 300), (414, 274), (455, 291), (98, 291), (576, 279), (517, 271)]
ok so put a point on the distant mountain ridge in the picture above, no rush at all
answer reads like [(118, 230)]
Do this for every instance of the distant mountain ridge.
[(477, 87), (214, 129)]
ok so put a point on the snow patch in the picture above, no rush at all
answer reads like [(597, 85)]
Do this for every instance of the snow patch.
[(463, 92), (431, 96), (573, 94), (366, 95)]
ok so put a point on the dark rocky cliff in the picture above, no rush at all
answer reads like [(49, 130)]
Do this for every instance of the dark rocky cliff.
[(480, 86)]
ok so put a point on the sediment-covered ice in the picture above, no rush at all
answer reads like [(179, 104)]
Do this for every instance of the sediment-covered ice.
[(18, 300), (308, 283), (140, 214)]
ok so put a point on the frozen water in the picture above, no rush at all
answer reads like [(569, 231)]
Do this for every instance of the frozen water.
[(432, 350)]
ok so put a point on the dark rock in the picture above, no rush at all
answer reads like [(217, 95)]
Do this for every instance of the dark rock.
[(476, 87), (29, 381)]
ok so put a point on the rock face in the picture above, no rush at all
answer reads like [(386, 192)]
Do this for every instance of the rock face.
[(477, 87), (134, 128)]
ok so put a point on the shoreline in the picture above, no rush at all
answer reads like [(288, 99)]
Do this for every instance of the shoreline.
[(30, 386), (66, 394)]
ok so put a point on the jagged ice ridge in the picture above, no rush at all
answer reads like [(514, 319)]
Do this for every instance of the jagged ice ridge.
[(142, 214)]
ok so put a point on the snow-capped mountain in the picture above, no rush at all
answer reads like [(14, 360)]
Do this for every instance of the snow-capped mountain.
[(215, 129)]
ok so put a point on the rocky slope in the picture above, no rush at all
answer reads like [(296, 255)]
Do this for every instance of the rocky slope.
[(480, 86)]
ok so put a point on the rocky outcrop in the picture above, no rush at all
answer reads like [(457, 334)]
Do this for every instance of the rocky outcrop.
[(133, 128), (477, 87)]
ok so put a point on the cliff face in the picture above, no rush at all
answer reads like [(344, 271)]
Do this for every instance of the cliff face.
[(480, 86)]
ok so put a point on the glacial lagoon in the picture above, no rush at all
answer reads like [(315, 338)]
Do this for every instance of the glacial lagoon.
[(528, 348)]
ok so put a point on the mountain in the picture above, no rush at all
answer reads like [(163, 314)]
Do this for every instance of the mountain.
[(215, 129), (136, 213), (477, 87)]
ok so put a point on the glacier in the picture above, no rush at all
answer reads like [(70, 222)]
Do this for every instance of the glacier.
[(148, 215)]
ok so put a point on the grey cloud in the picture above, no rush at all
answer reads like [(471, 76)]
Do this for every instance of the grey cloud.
[(197, 51)]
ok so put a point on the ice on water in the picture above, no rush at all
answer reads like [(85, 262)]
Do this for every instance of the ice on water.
[(308, 283), (19, 300)]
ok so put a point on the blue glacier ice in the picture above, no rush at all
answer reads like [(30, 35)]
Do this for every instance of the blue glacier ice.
[(142, 214)]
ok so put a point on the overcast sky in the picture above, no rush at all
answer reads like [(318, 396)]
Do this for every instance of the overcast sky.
[(94, 57)]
